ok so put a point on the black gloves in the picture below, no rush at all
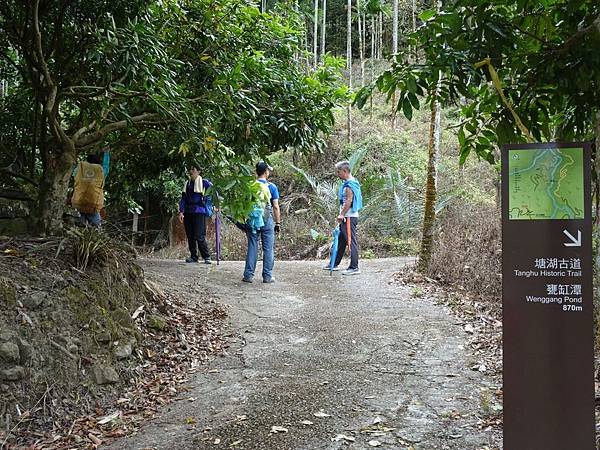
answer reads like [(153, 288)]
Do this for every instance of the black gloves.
[(277, 227)]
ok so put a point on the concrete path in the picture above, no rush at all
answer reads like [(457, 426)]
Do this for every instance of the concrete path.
[(320, 362)]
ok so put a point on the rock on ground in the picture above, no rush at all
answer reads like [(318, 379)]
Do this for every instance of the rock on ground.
[(105, 374)]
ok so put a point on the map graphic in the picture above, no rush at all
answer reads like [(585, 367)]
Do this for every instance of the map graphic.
[(545, 184)]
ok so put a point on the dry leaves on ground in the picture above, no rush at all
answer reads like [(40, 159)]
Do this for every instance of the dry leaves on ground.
[(163, 364)]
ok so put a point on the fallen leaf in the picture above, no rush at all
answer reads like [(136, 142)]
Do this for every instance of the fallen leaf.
[(469, 328), (94, 439), (480, 368), (374, 443), (137, 312), (277, 429), (342, 437), (321, 414), (217, 441), (104, 420), (306, 422)]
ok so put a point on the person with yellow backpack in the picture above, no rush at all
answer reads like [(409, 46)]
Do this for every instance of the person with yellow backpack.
[(264, 222), (88, 193)]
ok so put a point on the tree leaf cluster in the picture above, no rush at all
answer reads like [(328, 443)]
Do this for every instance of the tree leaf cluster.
[(546, 55), (160, 82)]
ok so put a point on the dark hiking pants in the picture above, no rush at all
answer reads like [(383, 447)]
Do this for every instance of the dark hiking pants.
[(195, 229), (343, 243)]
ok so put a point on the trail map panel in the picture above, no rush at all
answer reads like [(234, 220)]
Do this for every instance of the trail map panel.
[(547, 297), (546, 183)]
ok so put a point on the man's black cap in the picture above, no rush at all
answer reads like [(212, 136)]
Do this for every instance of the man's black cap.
[(262, 166)]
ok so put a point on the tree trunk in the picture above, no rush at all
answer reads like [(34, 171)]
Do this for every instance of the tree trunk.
[(380, 35), (414, 24), (372, 63), (435, 131), (323, 28), (349, 64), (394, 52), (361, 49), (395, 28), (376, 36), (431, 186), (316, 35), (306, 46), (53, 191), (297, 50), (34, 136), (597, 170)]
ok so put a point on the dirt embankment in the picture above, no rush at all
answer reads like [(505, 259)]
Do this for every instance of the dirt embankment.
[(89, 347)]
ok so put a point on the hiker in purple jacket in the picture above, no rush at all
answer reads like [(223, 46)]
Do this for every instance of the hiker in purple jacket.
[(194, 209)]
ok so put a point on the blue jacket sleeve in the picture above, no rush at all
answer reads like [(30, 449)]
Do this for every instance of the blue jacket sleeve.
[(182, 203), (106, 163)]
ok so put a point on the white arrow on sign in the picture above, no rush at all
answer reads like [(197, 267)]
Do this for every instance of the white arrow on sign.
[(574, 242)]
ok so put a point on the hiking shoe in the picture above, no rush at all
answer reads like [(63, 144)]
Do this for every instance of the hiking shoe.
[(269, 280), (191, 260), (207, 261), (350, 272), (247, 280), (326, 267)]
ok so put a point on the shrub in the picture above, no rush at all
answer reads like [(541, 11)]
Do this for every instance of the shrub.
[(468, 249)]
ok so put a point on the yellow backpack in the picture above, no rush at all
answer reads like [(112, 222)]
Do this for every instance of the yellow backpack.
[(88, 196)]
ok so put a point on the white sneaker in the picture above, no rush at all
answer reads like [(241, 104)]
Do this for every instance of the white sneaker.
[(350, 272)]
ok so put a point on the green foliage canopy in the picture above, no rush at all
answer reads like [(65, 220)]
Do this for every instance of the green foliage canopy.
[(215, 81), (546, 54)]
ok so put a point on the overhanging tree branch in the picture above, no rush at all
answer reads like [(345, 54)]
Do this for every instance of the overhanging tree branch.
[(100, 134), (10, 173), (50, 106), (594, 28)]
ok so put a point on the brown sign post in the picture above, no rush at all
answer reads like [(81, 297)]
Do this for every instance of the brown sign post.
[(547, 297)]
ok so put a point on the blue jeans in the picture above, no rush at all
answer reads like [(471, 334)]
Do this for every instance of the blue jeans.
[(267, 237), (92, 219)]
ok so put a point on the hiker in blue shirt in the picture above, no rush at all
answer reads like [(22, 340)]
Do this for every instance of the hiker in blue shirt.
[(266, 232), (194, 208), (350, 199)]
